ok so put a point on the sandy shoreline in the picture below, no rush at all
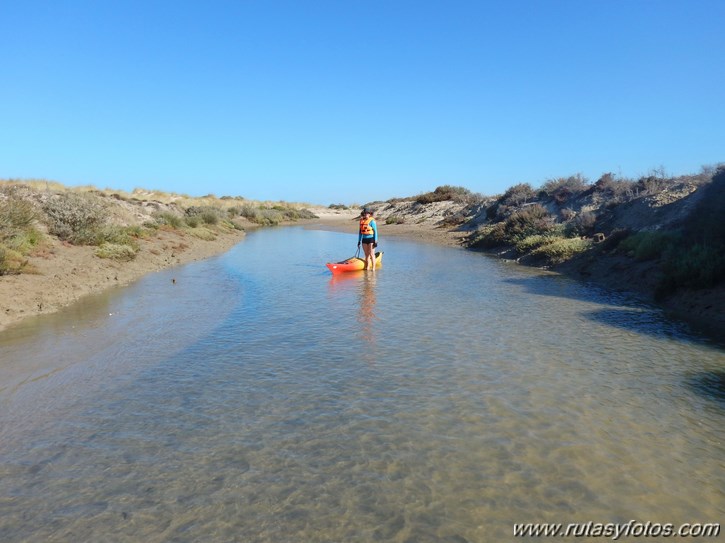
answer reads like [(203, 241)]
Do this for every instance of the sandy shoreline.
[(66, 273)]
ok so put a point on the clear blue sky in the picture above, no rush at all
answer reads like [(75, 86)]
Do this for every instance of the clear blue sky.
[(351, 101)]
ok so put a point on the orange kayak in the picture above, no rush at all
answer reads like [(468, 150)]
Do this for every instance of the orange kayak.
[(353, 264)]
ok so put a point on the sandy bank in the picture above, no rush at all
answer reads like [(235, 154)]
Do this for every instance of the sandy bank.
[(65, 273)]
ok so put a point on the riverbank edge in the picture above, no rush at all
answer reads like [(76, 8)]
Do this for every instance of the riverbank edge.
[(63, 274)]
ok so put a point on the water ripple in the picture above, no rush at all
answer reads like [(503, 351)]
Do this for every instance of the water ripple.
[(443, 398)]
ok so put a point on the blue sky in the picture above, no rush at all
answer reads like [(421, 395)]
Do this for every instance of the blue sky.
[(357, 100)]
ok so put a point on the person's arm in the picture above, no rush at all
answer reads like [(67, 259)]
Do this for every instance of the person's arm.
[(375, 230)]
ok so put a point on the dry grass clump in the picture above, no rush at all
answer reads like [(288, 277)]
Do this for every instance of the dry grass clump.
[(18, 233), (204, 233)]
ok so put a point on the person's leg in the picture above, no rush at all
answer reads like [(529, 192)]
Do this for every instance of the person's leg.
[(367, 248), (372, 255)]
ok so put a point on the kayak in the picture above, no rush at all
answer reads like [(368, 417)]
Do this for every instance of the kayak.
[(354, 263)]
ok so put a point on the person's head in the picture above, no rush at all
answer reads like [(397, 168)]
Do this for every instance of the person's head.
[(367, 211)]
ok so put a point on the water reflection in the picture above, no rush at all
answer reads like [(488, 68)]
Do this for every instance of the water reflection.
[(366, 312), (362, 286)]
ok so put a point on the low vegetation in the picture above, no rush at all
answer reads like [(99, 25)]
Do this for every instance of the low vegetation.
[(445, 193), (33, 212), (645, 220), (649, 221), (19, 234), (395, 219)]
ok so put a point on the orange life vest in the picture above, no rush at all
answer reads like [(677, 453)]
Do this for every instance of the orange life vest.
[(365, 228)]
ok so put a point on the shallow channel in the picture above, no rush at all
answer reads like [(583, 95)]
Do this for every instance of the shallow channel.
[(445, 397)]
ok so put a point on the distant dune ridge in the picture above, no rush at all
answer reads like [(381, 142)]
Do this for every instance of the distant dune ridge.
[(663, 237)]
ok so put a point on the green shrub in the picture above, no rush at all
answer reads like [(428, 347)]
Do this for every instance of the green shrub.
[(206, 214), (209, 217), (16, 215), (305, 213), (168, 218), (530, 243), (192, 222), (395, 219), (116, 234), (137, 231), (116, 251), (526, 222), (489, 236), (11, 261), (269, 217), (25, 240), (695, 267), (275, 215), (530, 221), (74, 217), (649, 245), (561, 249)]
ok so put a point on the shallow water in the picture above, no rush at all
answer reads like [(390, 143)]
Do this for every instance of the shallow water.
[(443, 398)]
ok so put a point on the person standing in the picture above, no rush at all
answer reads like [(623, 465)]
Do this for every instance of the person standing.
[(368, 237)]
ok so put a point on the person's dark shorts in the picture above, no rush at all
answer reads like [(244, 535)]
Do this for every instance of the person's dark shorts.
[(368, 241)]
